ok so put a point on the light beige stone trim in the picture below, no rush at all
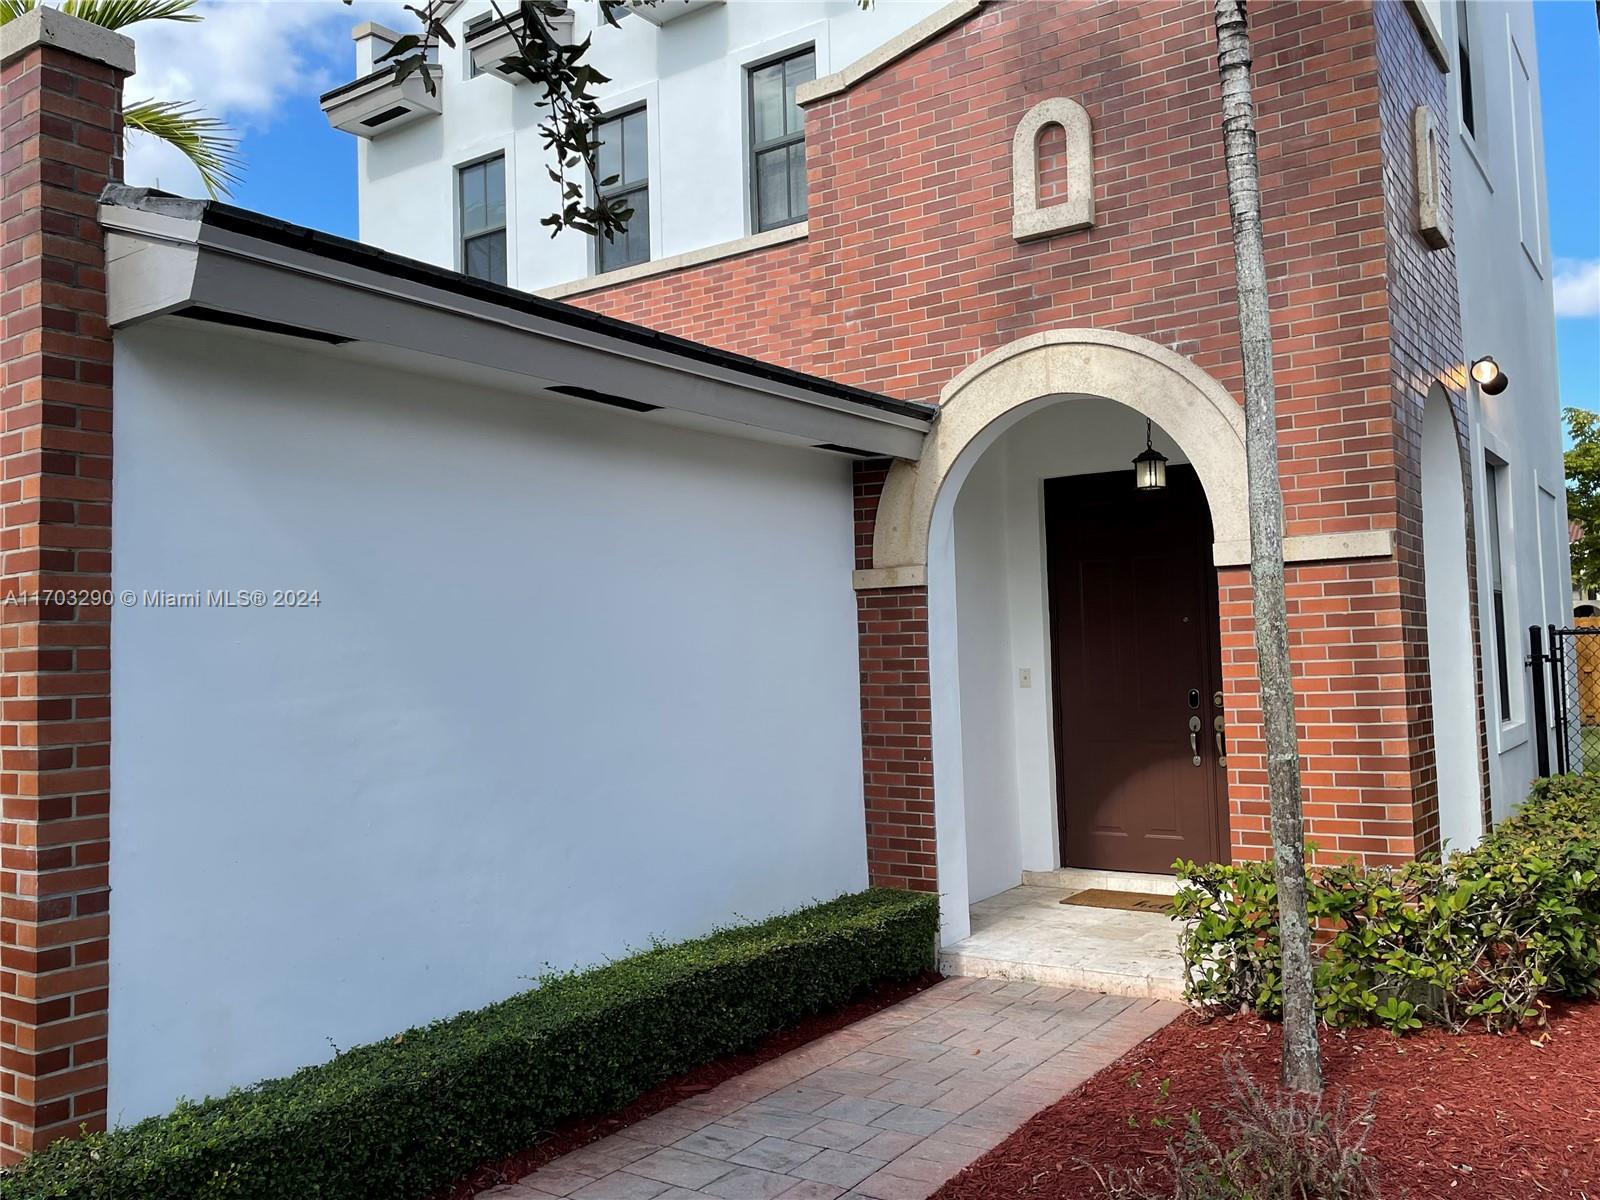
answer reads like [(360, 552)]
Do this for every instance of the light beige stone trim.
[(1432, 36), (49, 26), (372, 29), (1028, 219), (1314, 547), (890, 577), (1194, 409), (678, 262), (895, 48), (1432, 222)]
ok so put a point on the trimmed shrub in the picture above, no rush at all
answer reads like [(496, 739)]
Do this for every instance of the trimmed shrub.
[(405, 1117), (1481, 936)]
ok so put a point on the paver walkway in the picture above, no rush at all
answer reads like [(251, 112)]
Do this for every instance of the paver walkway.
[(888, 1108)]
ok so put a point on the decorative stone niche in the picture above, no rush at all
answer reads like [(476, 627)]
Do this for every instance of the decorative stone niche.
[(1029, 218), (1432, 222)]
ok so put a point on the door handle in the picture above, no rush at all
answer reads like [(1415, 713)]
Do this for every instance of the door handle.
[(1194, 740), (1222, 741)]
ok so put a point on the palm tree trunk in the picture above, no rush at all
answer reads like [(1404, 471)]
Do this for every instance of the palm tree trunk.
[(1302, 1064)]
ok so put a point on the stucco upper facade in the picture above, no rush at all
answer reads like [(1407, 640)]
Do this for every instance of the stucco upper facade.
[(689, 75)]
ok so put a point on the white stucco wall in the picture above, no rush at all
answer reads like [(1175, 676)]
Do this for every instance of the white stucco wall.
[(988, 751), (1503, 261), (1005, 788), (575, 680), (690, 75), (1452, 665)]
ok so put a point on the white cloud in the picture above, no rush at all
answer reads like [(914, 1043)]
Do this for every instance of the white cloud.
[(1577, 286), (242, 63)]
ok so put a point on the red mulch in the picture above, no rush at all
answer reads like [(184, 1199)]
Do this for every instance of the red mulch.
[(574, 1134), (1466, 1115)]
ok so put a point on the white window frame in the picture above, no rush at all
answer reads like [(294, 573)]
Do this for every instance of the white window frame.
[(1493, 465), (648, 97), (1526, 150), (595, 248), (752, 151), (459, 235), (816, 36)]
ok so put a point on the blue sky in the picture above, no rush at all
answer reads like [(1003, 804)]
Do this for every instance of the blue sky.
[(262, 64), (1569, 86)]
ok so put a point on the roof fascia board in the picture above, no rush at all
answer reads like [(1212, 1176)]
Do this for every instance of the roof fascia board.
[(230, 272), (375, 282), (151, 260)]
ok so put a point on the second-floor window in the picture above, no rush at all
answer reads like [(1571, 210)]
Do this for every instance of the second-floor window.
[(1469, 109), (624, 174), (1494, 476), (482, 21), (778, 141), (481, 212)]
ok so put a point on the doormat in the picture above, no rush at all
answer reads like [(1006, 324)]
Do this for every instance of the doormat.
[(1134, 901)]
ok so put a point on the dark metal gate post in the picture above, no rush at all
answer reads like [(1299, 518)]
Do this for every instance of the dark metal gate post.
[(1541, 728), (1558, 685)]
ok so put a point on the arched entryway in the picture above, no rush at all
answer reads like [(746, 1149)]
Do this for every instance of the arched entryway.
[(991, 720), (1088, 672), (1073, 636)]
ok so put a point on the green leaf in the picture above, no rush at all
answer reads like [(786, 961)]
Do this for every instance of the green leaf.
[(205, 141)]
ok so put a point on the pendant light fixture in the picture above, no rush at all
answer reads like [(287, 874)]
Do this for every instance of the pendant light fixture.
[(1150, 468)]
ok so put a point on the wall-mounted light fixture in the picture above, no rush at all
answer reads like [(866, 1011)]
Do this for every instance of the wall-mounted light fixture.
[(1491, 380), (1150, 468)]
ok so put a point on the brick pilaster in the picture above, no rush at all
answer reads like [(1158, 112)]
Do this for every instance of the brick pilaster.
[(60, 143), (896, 713)]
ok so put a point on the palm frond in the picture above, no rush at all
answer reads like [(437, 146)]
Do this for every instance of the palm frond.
[(118, 14), (109, 14), (204, 141)]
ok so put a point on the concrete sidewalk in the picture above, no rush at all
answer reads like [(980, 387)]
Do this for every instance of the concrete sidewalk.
[(887, 1109)]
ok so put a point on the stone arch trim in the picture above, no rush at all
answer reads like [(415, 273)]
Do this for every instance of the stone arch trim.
[(1194, 409), (1030, 219)]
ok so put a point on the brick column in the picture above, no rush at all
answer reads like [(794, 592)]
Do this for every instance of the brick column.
[(896, 713), (61, 127)]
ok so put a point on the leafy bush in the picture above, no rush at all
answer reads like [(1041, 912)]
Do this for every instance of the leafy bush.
[(1480, 936), (1279, 1146), (404, 1117)]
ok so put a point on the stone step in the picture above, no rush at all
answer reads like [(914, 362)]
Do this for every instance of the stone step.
[(1077, 879), (1164, 985)]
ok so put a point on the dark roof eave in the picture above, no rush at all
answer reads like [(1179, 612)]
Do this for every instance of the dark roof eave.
[(282, 233), (357, 84)]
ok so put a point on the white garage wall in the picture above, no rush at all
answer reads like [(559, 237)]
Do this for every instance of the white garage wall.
[(574, 681)]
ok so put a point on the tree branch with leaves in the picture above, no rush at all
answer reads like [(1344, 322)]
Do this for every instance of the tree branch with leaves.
[(566, 86), (1583, 495)]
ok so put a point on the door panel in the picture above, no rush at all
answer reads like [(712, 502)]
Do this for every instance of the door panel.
[(1133, 606)]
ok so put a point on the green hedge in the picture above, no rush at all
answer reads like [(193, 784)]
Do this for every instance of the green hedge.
[(405, 1117), (1479, 937)]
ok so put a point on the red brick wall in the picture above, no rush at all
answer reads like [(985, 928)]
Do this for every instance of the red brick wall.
[(911, 273), (1426, 347), (59, 144), (896, 720), (754, 304)]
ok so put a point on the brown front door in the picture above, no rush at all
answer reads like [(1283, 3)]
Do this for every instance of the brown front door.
[(1133, 612)]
